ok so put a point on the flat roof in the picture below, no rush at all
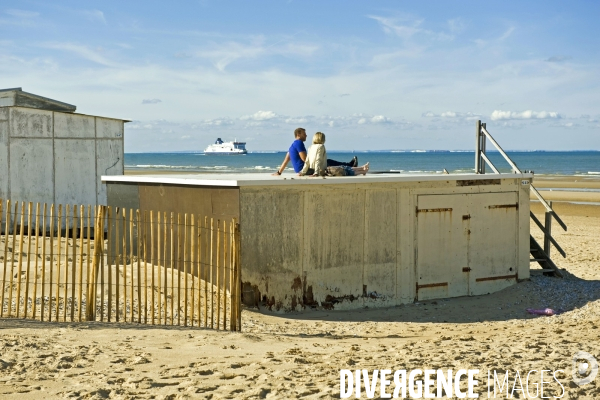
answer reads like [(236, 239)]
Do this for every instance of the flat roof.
[(19, 98), (265, 179)]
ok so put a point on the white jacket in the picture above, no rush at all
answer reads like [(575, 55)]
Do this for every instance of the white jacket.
[(316, 159)]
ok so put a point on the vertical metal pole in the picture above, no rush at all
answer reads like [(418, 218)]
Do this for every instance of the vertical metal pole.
[(477, 146), (548, 233), (482, 148)]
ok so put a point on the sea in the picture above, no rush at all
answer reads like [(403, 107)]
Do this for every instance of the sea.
[(576, 163)]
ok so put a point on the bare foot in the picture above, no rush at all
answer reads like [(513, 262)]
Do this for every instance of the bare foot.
[(366, 167)]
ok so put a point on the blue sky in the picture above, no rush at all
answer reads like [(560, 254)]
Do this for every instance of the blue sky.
[(370, 74)]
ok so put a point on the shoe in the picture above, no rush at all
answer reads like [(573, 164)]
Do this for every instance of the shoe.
[(354, 162)]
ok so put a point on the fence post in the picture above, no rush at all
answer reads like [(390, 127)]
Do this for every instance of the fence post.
[(548, 232), (90, 314), (81, 234), (238, 273), (43, 264), (21, 228), (6, 230), (25, 302)]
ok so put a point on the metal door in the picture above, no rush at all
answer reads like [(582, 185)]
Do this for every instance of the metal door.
[(442, 242), (493, 226)]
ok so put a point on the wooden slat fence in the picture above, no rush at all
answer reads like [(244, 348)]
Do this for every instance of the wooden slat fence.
[(99, 263)]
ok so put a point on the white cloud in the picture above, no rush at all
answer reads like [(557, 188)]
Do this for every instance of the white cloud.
[(508, 115), (218, 122), (268, 119), (507, 33), (296, 120), (407, 31), (151, 101), (380, 119), (452, 115), (22, 13), (222, 54), (260, 116), (82, 51), (389, 26), (297, 49), (486, 42), (94, 15), (456, 25), (558, 58)]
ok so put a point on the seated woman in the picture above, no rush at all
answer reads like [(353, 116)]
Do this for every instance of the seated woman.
[(316, 160)]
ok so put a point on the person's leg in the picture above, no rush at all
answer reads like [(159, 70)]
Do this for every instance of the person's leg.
[(335, 163), (361, 170)]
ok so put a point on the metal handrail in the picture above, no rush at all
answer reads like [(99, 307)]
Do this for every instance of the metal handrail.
[(480, 156), (487, 160), (517, 170), (539, 224), (512, 164)]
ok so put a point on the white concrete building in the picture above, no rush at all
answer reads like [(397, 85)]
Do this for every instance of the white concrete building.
[(50, 154), (348, 242)]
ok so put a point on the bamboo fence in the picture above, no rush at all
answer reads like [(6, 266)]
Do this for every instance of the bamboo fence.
[(100, 263)]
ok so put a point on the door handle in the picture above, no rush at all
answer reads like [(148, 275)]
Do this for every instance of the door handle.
[(466, 269)]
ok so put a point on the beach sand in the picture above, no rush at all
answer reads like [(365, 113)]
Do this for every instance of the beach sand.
[(299, 355)]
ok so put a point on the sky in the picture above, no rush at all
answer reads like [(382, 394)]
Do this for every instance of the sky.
[(371, 75)]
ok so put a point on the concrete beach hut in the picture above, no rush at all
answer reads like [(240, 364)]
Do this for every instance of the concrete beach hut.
[(50, 154), (350, 242)]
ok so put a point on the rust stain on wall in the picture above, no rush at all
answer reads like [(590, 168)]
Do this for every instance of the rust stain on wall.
[(297, 283), (478, 182), (424, 210), (515, 205)]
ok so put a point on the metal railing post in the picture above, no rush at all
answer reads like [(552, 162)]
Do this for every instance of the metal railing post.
[(548, 231), (482, 151), (477, 146)]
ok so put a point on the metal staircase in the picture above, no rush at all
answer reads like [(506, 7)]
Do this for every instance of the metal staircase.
[(539, 254)]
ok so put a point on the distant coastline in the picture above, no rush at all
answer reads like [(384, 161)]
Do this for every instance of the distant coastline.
[(542, 162), (373, 151)]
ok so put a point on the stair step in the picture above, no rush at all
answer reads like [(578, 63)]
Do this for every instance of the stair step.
[(537, 259)]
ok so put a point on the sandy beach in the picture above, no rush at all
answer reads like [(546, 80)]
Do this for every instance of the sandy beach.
[(299, 355)]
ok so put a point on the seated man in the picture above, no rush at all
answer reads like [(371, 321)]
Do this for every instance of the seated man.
[(297, 154)]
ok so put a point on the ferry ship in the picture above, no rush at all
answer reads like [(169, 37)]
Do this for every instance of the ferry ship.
[(226, 148)]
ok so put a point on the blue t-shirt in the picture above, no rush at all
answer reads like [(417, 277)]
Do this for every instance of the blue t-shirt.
[(295, 149)]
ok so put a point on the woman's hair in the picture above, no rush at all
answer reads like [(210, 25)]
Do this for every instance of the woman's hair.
[(319, 138)]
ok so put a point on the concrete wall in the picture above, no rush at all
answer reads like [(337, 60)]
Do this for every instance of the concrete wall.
[(56, 157), (373, 244), (218, 203), (4, 134)]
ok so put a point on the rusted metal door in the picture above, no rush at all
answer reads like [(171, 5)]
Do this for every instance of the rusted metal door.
[(492, 241), (466, 244), (442, 246)]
